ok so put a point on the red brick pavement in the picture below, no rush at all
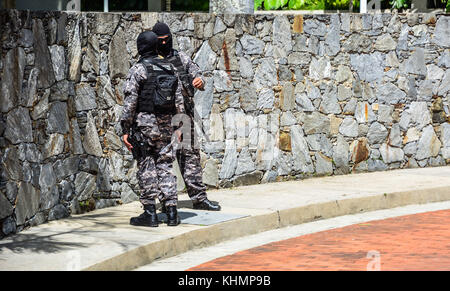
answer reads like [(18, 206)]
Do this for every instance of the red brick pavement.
[(413, 242)]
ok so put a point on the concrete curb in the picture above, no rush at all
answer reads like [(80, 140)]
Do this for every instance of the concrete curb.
[(214, 234)]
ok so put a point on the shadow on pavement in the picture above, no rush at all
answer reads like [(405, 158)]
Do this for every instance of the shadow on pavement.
[(88, 224), (51, 241), (41, 243)]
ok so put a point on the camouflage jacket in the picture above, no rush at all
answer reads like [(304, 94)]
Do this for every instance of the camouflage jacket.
[(135, 78)]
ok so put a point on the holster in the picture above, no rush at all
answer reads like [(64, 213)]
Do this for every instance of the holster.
[(140, 148)]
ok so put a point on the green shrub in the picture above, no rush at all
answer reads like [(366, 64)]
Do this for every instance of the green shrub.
[(288, 4), (337, 4), (333, 4), (305, 4), (400, 4)]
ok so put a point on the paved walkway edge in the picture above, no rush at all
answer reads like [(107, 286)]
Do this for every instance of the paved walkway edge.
[(214, 234)]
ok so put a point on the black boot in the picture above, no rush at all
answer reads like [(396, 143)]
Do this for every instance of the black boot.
[(148, 218), (207, 205), (172, 216)]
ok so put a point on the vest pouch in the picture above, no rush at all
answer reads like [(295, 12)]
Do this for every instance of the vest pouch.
[(166, 86)]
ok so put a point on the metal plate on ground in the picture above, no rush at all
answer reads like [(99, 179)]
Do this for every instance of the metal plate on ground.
[(202, 217)]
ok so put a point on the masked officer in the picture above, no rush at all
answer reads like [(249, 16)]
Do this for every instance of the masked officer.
[(152, 97), (188, 157)]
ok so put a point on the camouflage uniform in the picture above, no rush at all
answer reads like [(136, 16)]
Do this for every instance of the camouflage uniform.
[(155, 174), (189, 157)]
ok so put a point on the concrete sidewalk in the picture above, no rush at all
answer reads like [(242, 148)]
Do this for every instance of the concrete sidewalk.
[(104, 240)]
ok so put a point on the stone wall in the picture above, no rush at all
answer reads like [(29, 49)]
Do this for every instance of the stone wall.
[(287, 97)]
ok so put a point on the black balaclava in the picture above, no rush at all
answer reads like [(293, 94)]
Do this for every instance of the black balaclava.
[(161, 29), (147, 43)]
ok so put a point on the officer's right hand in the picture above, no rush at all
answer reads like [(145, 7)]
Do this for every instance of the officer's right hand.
[(127, 144), (197, 83)]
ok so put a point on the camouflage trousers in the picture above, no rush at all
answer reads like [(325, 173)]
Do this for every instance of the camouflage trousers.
[(191, 170), (155, 170)]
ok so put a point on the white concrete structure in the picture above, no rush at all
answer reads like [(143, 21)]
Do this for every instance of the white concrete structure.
[(371, 6)]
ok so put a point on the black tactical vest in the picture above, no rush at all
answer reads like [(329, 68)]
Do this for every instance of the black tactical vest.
[(185, 77), (157, 94)]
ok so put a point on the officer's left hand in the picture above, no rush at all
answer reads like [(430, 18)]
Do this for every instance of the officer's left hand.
[(198, 83)]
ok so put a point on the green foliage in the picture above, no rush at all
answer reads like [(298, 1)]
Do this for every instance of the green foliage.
[(313, 5), (337, 4), (355, 5), (258, 4), (305, 4), (274, 4), (289, 4), (400, 4), (87, 205), (296, 4), (334, 4)]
